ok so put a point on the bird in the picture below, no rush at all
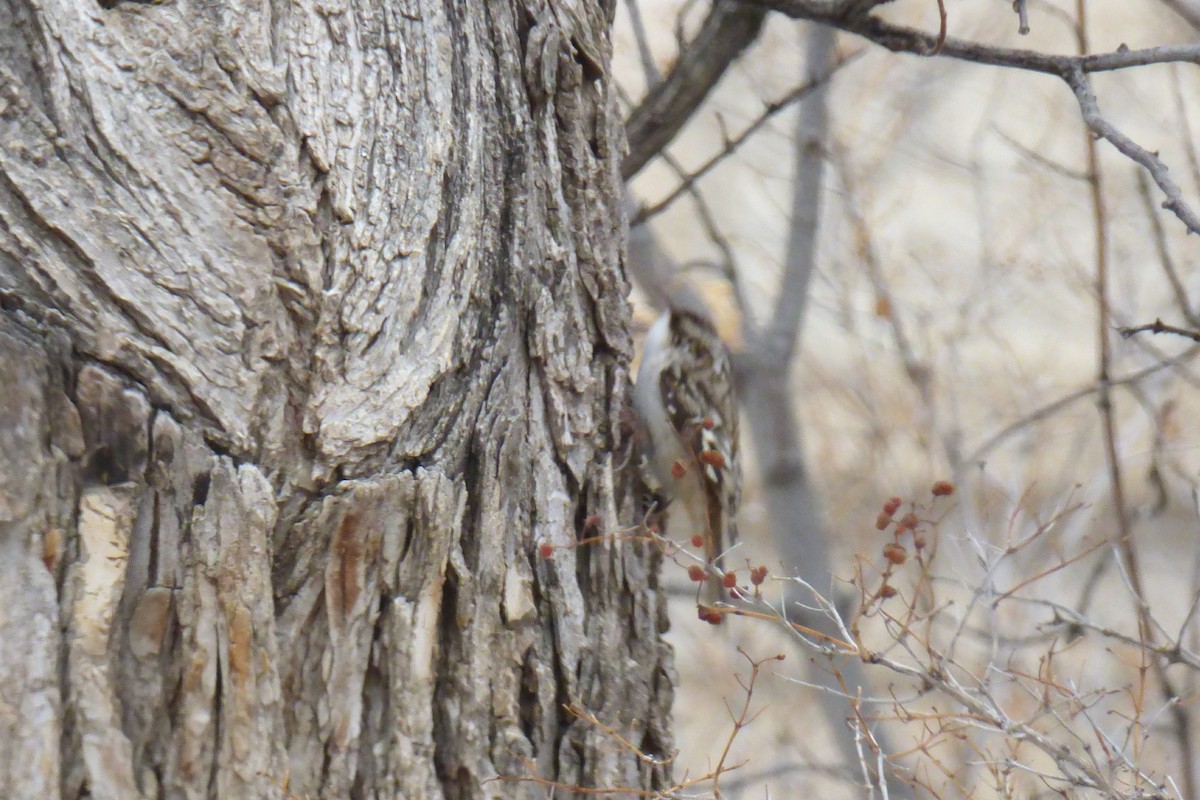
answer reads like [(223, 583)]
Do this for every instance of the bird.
[(685, 400)]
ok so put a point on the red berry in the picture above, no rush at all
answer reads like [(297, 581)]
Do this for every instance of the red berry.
[(895, 553), (729, 580), (712, 458), (678, 470), (758, 575), (545, 549), (891, 505), (887, 590), (943, 488), (883, 520), (696, 573), (697, 540)]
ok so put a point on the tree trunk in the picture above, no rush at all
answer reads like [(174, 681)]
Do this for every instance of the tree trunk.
[(313, 332)]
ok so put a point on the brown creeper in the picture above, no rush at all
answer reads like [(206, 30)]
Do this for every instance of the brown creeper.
[(684, 395)]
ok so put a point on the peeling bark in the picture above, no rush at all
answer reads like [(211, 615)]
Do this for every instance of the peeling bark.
[(313, 325)]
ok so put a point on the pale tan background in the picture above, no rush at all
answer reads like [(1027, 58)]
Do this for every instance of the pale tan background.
[(988, 253)]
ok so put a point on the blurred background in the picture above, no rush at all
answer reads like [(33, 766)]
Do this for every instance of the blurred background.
[(971, 264)]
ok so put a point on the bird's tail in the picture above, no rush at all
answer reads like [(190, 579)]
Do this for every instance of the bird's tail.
[(721, 538)]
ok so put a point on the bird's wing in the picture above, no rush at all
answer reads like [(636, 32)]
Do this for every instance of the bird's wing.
[(697, 393)]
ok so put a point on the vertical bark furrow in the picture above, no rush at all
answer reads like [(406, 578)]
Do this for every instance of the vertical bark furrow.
[(92, 591), (230, 721), (39, 440)]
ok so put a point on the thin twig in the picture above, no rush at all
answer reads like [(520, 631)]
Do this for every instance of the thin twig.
[(610, 732), (1185, 124), (1164, 254), (649, 68), (742, 719), (725, 34), (1123, 541), (1158, 326), (1184, 11), (1022, 16), (712, 229), (901, 38), (1072, 69), (1055, 406), (1038, 158), (942, 28), (1079, 84), (731, 145)]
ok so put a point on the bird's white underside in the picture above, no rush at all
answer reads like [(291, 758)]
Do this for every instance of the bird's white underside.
[(665, 448)]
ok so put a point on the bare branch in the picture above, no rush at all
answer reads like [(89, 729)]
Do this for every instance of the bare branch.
[(731, 145), (1053, 407), (653, 76), (903, 39), (1184, 11), (1072, 69), (1037, 158), (1164, 254), (1022, 16), (1079, 84), (1158, 326), (727, 31)]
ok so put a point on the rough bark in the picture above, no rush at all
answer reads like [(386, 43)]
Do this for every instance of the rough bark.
[(313, 326)]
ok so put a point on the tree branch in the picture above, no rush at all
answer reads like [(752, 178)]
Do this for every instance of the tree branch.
[(1079, 84), (1158, 326), (903, 39), (653, 76), (729, 29), (1019, 6), (732, 144), (1185, 12), (1072, 69)]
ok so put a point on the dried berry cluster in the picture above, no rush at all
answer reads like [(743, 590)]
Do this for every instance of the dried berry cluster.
[(729, 580), (895, 553)]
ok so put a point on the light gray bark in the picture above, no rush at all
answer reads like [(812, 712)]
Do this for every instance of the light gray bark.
[(313, 325)]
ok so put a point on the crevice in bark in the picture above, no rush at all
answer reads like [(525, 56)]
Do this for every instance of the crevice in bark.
[(445, 689), (200, 489), (11, 301), (216, 728)]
